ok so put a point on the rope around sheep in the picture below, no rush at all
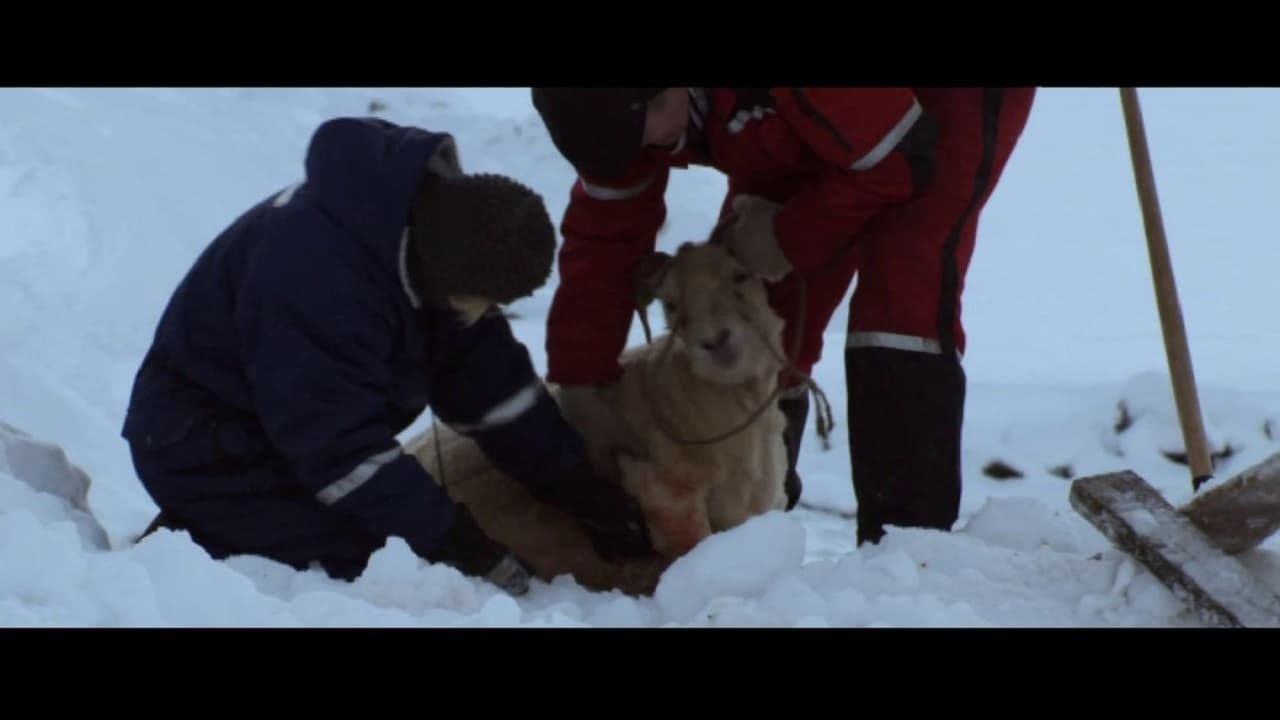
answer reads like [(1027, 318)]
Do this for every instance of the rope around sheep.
[(824, 417)]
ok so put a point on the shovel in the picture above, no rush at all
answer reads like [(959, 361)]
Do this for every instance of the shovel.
[(1188, 549)]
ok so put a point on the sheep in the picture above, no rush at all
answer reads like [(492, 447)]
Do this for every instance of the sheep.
[(715, 373)]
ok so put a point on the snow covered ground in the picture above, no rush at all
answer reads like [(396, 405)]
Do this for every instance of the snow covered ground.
[(106, 195)]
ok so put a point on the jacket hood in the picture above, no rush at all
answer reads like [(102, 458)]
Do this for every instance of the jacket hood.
[(365, 171)]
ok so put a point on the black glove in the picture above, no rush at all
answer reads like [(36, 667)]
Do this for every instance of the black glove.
[(466, 548), (613, 520)]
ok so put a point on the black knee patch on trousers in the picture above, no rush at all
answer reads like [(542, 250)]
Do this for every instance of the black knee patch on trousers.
[(905, 413)]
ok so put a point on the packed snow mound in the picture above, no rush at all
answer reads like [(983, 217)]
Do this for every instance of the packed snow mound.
[(39, 478), (1019, 562), (1131, 426), (743, 562)]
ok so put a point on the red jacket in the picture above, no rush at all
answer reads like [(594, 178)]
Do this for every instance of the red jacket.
[(834, 156)]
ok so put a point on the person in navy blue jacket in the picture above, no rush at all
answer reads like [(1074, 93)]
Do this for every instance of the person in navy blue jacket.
[(326, 319)]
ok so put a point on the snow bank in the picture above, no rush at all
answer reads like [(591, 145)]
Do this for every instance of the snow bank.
[(108, 194)]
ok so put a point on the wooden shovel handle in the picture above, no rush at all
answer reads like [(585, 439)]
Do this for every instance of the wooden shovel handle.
[(1175, 335)]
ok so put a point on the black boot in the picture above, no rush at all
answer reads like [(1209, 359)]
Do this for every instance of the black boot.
[(161, 520), (905, 414), (797, 411)]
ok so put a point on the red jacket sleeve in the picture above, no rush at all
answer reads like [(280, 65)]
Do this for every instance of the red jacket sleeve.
[(608, 229), (876, 142)]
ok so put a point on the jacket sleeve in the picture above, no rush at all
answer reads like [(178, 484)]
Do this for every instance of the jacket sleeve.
[(878, 146), (608, 229), (488, 390), (316, 345)]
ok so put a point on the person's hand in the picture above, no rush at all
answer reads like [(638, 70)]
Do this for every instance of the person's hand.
[(613, 520), (750, 238), (466, 548), (606, 433)]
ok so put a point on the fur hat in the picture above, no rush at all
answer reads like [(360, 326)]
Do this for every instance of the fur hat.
[(600, 131), (481, 235)]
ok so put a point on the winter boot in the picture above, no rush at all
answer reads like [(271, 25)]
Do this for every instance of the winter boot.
[(905, 415), (794, 404), (161, 520)]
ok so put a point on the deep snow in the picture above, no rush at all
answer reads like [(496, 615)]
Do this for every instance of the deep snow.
[(107, 194)]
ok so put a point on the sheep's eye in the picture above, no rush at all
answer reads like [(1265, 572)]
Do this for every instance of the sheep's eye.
[(669, 306), (739, 278)]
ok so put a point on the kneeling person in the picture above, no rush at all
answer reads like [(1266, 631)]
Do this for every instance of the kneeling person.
[(320, 324)]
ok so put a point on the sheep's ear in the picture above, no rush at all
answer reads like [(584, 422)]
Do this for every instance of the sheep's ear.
[(649, 275), (720, 233)]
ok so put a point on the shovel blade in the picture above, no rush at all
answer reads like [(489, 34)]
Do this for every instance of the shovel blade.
[(1140, 522)]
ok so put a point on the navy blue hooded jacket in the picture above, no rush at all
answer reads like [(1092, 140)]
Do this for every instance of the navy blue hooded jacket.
[(296, 348)]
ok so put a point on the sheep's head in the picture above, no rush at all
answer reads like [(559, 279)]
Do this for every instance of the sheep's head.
[(716, 309)]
